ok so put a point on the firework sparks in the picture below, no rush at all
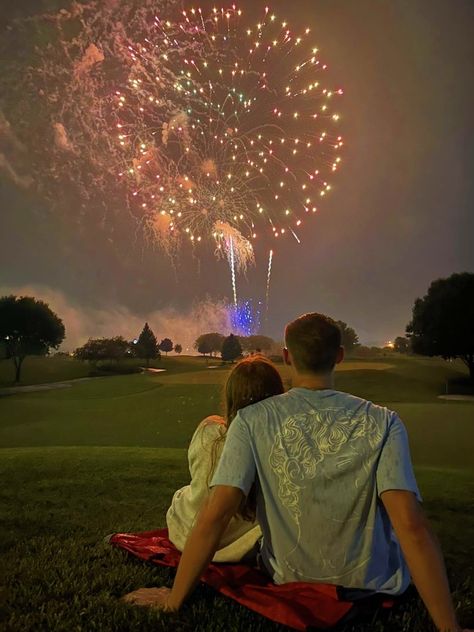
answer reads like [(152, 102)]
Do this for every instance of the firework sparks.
[(230, 241), (66, 87), (223, 123), (237, 250), (245, 318)]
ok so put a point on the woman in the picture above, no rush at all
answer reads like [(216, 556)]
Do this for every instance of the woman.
[(251, 380)]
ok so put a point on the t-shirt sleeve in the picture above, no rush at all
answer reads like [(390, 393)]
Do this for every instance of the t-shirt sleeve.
[(236, 466), (395, 469)]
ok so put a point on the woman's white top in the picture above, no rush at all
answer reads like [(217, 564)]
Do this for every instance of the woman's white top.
[(241, 535)]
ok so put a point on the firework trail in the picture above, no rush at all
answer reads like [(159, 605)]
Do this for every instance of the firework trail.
[(235, 248), (269, 276), (232, 268)]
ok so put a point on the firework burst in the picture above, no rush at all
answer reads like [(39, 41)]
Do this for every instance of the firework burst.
[(227, 130), (245, 317)]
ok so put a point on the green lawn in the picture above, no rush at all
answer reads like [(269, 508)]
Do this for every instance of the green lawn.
[(41, 370), (106, 455)]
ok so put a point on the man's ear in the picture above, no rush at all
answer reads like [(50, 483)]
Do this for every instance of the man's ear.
[(340, 355), (286, 357)]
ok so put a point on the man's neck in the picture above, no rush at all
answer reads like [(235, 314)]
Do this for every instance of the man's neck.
[(312, 381)]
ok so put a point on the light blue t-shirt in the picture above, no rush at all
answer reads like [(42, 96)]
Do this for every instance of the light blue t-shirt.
[(320, 460)]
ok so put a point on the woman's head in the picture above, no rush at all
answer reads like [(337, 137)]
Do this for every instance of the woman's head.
[(253, 379)]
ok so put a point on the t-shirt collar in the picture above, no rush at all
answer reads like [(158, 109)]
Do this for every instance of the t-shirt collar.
[(319, 392)]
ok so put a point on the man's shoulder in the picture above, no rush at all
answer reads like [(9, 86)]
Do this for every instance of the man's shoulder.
[(359, 403), (367, 408), (270, 405)]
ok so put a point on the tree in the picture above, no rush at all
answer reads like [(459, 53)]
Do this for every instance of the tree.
[(147, 345), (28, 327), (401, 344), (91, 352), (209, 343), (166, 345), (178, 349), (258, 343), (3, 350), (443, 320), (231, 349), (349, 337), (203, 345), (116, 348), (98, 349)]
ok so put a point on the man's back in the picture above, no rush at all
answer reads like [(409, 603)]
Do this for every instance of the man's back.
[(320, 459)]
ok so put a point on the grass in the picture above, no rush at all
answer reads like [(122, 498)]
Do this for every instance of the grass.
[(58, 503), (43, 370), (135, 410), (106, 455)]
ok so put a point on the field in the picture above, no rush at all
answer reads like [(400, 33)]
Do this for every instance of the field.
[(106, 455)]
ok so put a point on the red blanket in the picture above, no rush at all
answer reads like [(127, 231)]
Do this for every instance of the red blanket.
[(298, 605)]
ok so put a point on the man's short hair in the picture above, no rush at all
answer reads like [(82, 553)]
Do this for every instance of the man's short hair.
[(313, 341)]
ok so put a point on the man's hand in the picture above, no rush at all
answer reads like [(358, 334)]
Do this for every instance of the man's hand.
[(423, 556), (202, 543), (151, 597)]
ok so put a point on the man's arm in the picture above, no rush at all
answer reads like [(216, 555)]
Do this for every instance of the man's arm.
[(201, 545), (423, 556), (203, 541), (231, 483)]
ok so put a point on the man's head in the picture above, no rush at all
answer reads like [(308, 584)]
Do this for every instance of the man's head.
[(313, 344)]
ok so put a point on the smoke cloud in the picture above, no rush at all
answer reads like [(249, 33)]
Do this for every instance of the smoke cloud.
[(82, 323)]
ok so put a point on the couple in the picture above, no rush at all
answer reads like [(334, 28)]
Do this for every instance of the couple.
[(325, 477)]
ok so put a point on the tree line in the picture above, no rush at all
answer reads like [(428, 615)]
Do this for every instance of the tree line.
[(442, 325), (145, 347)]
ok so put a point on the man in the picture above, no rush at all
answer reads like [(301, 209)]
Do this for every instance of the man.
[(337, 499)]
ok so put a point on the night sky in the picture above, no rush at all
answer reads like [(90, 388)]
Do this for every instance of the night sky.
[(400, 214)]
